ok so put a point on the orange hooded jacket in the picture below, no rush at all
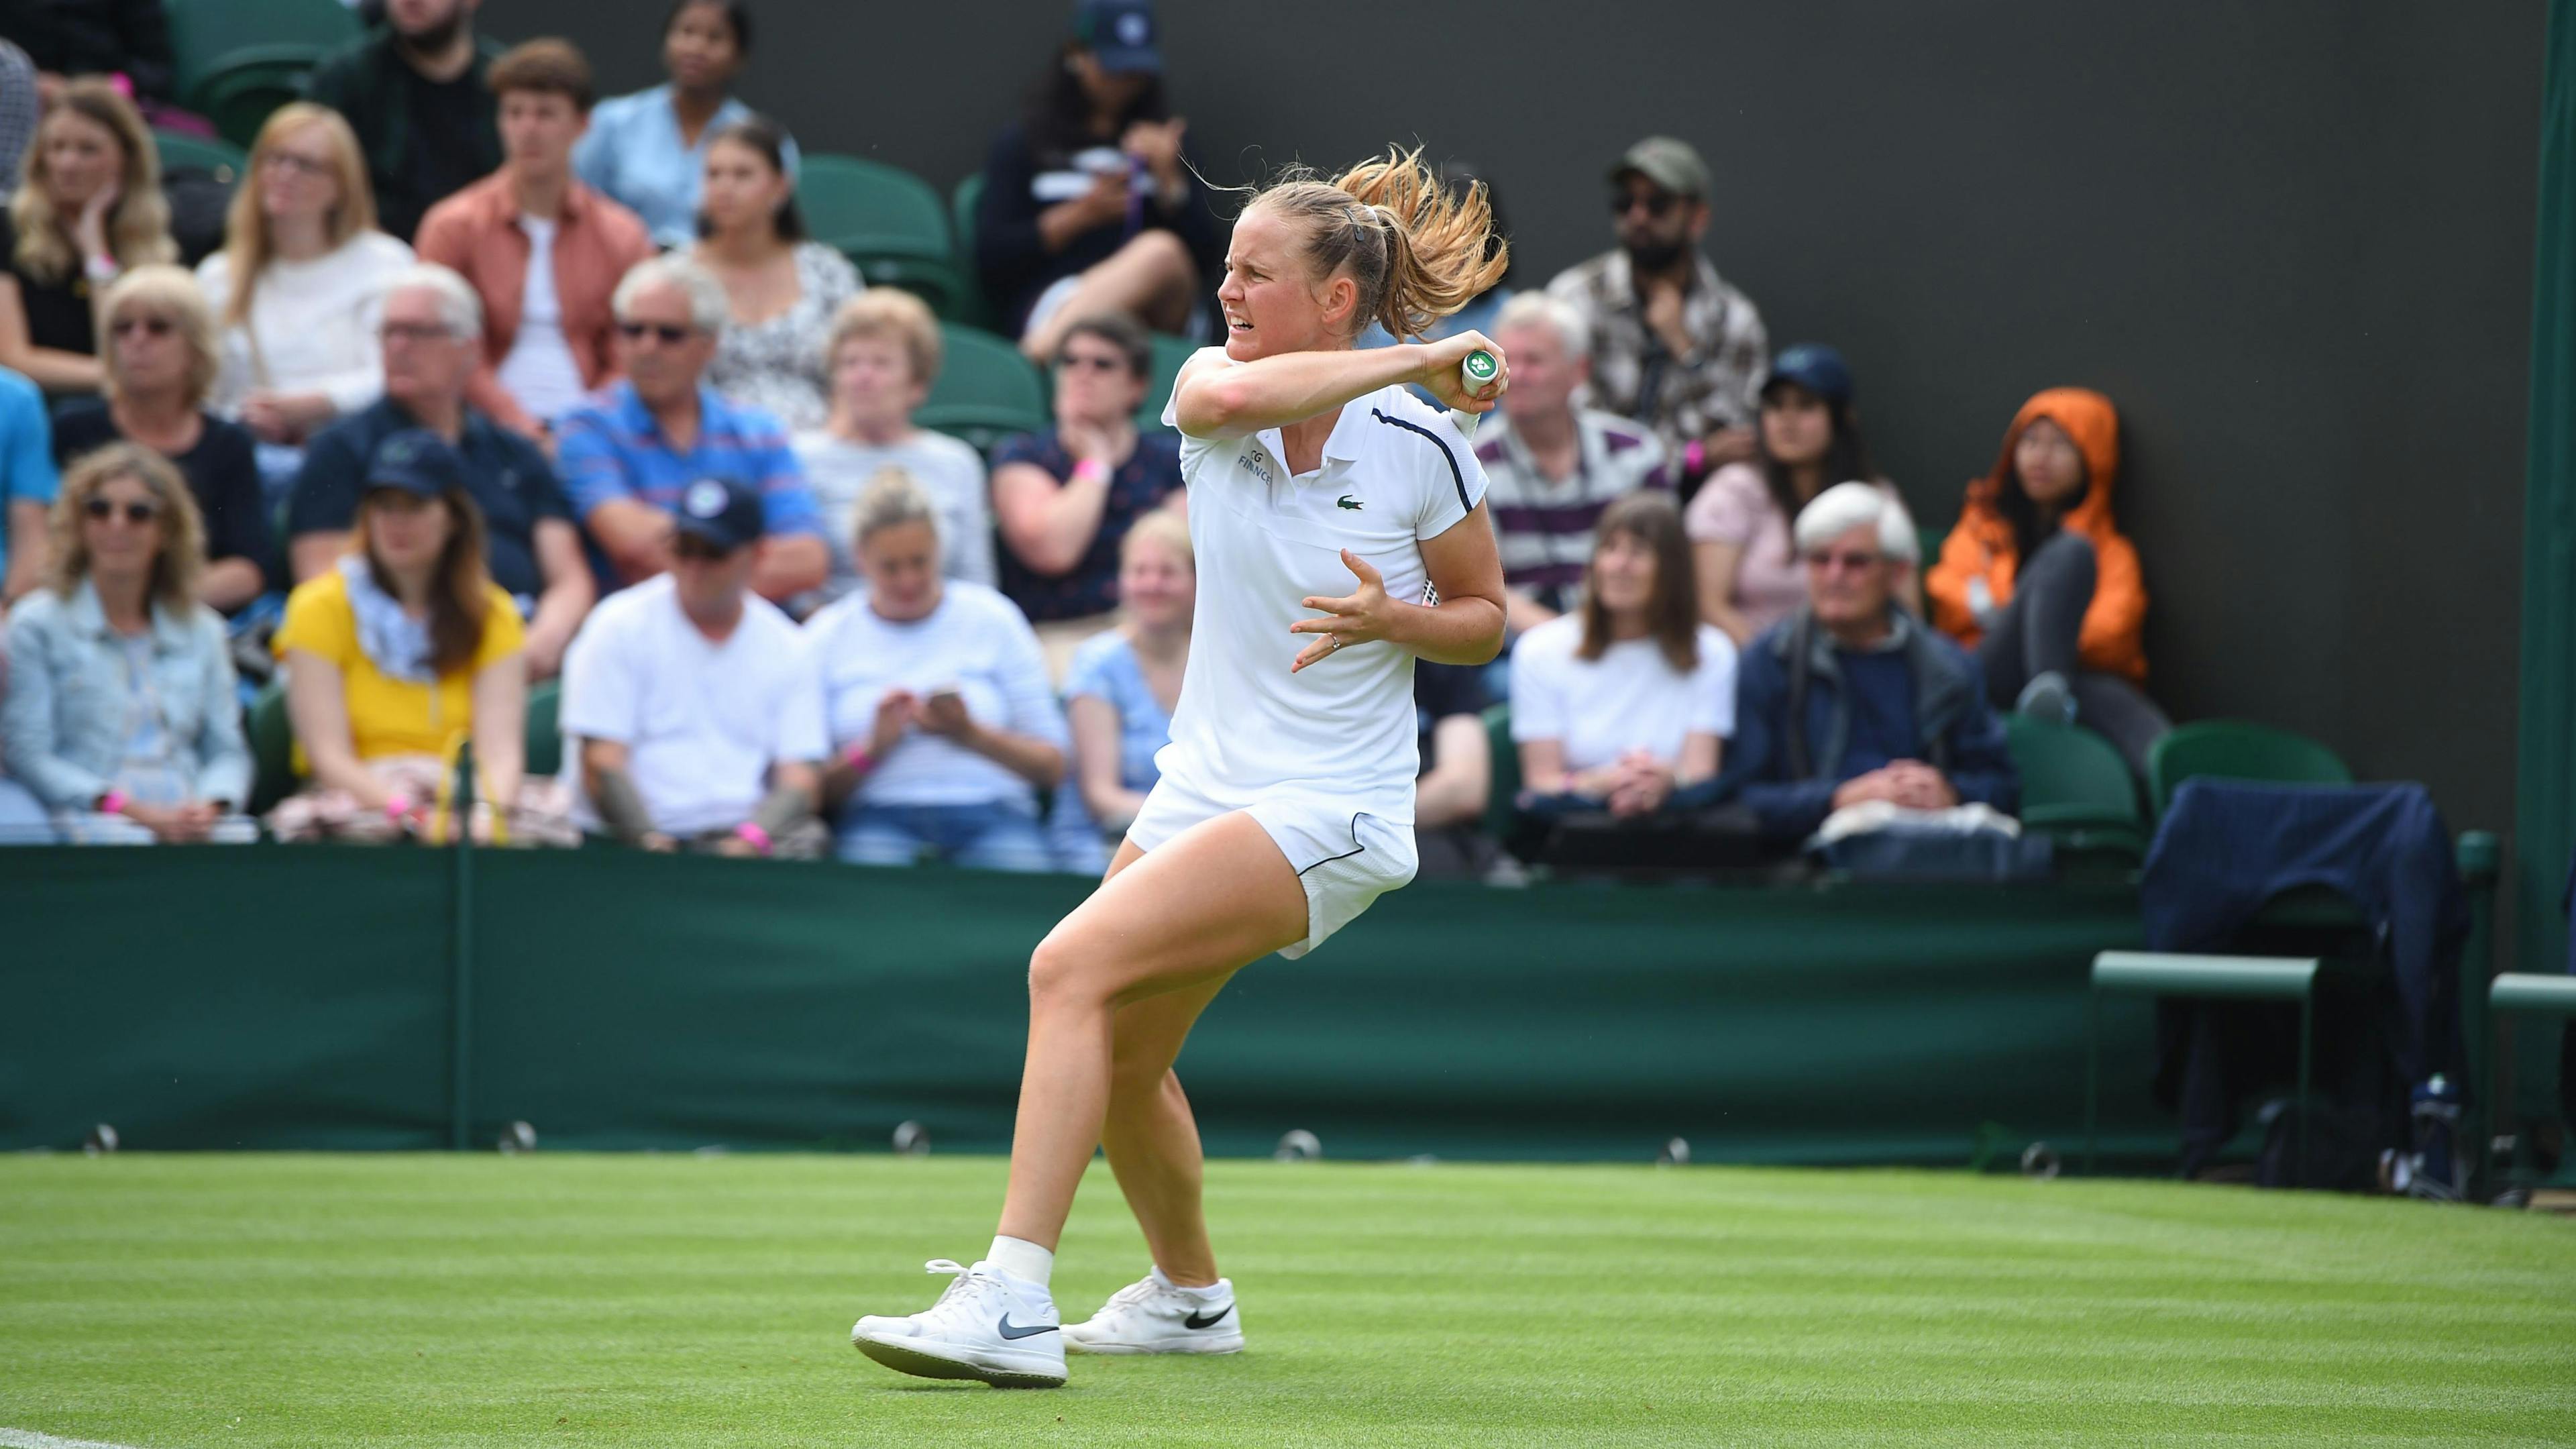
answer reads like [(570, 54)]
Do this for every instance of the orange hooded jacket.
[(1981, 545)]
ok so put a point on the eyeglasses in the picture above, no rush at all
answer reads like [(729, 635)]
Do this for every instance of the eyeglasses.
[(670, 336), (414, 332), (300, 165), (136, 512), (1829, 561), (1092, 362), (148, 326), (1656, 203)]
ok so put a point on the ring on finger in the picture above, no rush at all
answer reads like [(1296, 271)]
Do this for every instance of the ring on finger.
[(1337, 642)]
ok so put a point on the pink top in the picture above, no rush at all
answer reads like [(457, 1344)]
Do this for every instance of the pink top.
[(1734, 506)]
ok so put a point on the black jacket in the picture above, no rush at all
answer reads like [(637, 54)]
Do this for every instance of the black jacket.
[(95, 37)]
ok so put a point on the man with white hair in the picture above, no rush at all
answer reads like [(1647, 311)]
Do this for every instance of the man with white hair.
[(432, 335), (631, 452), (1550, 466), (1851, 698)]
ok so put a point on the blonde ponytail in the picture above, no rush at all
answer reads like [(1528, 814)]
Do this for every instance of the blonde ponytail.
[(1416, 251)]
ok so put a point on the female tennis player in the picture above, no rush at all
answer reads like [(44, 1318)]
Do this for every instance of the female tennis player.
[(1341, 534)]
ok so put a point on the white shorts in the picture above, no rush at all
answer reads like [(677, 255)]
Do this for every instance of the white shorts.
[(1345, 859)]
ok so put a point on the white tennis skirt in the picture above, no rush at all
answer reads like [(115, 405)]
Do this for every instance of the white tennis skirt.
[(1344, 858)]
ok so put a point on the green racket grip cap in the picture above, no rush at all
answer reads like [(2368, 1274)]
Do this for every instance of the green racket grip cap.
[(1479, 371)]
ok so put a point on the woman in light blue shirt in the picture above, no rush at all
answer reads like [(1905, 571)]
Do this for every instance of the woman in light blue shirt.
[(121, 716), (648, 149), (1122, 687)]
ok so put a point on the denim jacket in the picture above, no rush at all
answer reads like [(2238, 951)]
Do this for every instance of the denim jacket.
[(62, 725)]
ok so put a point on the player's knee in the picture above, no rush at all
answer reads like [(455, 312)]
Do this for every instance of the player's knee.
[(1058, 974)]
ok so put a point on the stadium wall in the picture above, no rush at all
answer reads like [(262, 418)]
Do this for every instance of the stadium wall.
[(382, 999), (2292, 240)]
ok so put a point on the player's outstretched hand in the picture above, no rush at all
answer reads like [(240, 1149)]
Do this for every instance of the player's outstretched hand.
[(1359, 618), (1440, 372)]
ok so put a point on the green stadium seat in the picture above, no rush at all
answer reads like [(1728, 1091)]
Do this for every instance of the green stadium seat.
[(2075, 788), (219, 159), (272, 750), (544, 731), (986, 391), (1504, 783), (2238, 750), (238, 60), (974, 308), (2233, 978), (887, 221), (1169, 354)]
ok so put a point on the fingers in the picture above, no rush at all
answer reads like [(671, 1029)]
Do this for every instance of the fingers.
[(1342, 624), (1366, 571), (1314, 653), (1322, 605)]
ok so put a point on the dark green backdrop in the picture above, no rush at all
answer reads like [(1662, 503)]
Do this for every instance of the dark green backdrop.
[(308, 998)]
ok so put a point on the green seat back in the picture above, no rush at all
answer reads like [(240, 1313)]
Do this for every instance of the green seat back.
[(2075, 786), (886, 220), (2239, 750), (272, 749), (973, 307), (242, 92), (205, 35), (219, 159), (1504, 786), (544, 731), (1169, 354), (986, 390)]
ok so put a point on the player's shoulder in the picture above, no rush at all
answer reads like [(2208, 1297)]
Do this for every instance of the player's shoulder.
[(1402, 427)]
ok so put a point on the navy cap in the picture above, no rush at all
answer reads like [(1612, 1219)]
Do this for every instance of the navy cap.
[(723, 512), (1120, 34), (418, 462), (1817, 368)]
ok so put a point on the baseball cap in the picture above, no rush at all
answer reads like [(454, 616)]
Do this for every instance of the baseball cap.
[(723, 512), (418, 462), (1671, 164), (1120, 34), (1817, 368)]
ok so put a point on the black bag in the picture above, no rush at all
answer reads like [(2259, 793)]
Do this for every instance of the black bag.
[(2343, 1146)]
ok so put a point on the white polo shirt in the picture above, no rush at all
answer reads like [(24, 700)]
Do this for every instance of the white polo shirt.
[(1395, 472), (702, 722)]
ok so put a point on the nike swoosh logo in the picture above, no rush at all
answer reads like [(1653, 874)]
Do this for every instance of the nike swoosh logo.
[(1210, 1321), (1013, 1330)]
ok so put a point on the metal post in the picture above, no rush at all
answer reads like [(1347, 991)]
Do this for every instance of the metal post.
[(2092, 1075), (2307, 1036)]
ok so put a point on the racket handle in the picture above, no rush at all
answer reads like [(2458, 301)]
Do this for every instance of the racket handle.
[(1478, 372)]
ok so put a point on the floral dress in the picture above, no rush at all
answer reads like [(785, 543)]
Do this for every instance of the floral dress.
[(778, 365)]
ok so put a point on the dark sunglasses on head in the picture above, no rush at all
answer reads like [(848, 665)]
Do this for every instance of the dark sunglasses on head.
[(1829, 560), (136, 512), (148, 326), (1093, 362), (1656, 203), (670, 336)]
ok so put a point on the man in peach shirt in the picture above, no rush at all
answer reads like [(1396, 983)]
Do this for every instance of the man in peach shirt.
[(543, 250)]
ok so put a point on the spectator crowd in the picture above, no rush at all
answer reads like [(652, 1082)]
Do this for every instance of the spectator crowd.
[(501, 399)]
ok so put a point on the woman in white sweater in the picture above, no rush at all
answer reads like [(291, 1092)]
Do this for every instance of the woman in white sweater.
[(299, 287)]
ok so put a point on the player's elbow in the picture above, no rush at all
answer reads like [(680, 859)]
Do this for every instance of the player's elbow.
[(1213, 406)]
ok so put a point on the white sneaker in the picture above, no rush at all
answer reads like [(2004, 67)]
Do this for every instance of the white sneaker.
[(1153, 1315), (987, 1326)]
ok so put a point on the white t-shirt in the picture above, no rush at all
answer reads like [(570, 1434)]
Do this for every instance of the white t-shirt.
[(1629, 698), (1395, 472), (540, 371), (977, 643), (702, 722), (315, 323), (950, 471)]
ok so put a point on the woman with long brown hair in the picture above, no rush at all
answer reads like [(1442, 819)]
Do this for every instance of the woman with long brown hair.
[(1328, 506), (121, 714), (299, 288), (398, 657), (1627, 701), (89, 207)]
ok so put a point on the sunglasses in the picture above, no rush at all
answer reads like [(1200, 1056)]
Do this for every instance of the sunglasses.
[(148, 326), (1656, 203), (104, 509), (669, 335), (1831, 561), (1092, 362)]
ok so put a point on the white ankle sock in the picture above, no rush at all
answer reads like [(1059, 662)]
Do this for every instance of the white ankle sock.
[(1208, 1293), (1022, 1259)]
